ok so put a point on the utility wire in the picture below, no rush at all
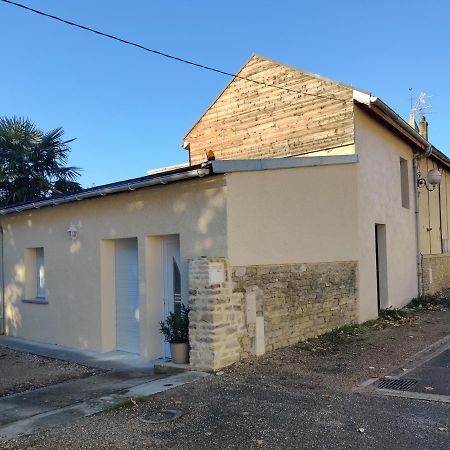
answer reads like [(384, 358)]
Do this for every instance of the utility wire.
[(166, 55)]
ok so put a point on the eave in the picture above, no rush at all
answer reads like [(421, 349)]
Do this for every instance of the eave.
[(388, 117)]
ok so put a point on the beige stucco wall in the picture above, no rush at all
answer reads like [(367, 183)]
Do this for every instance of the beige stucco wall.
[(79, 275), (305, 214), (379, 199)]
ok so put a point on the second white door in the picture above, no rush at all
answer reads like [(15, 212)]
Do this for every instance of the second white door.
[(172, 280)]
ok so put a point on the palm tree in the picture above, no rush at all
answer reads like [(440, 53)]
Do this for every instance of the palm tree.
[(33, 163)]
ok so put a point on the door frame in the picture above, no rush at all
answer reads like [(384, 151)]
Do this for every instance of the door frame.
[(381, 266), (168, 241)]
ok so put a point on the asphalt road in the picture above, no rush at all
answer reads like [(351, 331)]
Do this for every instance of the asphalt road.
[(230, 412)]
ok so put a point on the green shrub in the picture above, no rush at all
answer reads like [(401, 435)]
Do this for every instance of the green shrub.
[(423, 301), (393, 313), (342, 333), (369, 323), (176, 327)]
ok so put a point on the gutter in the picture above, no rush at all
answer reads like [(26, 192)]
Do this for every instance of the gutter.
[(130, 185)]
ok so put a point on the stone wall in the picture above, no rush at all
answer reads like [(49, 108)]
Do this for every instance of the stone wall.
[(216, 315), (237, 311), (435, 273), (297, 301)]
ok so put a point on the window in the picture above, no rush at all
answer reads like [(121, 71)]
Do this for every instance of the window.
[(35, 275), (404, 182), (40, 273)]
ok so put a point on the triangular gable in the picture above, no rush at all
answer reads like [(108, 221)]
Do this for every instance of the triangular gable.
[(255, 57), (254, 120)]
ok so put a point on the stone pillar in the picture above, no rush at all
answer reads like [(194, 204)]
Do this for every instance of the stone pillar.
[(217, 316)]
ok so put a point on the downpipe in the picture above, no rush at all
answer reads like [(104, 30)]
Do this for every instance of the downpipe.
[(419, 256)]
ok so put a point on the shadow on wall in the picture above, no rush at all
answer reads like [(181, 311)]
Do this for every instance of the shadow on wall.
[(14, 292), (208, 220)]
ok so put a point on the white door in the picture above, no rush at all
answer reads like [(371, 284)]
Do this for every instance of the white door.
[(127, 295), (172, 280)]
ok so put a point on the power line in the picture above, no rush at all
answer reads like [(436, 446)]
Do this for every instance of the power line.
[(166, 55)]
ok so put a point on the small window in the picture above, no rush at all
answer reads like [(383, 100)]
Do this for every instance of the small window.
[(40, 273), (404, 182), (35, 275)]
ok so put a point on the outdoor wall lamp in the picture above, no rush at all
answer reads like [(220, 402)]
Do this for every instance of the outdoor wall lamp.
[(73, 232), (432, 180)]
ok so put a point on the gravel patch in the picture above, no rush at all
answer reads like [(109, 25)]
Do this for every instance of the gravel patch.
[(22, 372)]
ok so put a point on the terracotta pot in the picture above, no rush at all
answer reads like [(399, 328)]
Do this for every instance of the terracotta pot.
[(180, 353)]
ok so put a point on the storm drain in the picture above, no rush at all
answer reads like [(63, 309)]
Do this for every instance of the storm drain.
[(163, 416), (397, 384)]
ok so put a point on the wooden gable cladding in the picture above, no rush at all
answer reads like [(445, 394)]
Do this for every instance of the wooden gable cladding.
[(251, 120)]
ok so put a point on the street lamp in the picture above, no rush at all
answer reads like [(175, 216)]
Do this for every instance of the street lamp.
[(432, 180)]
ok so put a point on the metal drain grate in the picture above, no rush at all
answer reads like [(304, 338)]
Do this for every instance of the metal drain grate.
[(396, 384)]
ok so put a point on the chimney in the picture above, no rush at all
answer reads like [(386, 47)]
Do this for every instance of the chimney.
[(423, 127), (412, 121)]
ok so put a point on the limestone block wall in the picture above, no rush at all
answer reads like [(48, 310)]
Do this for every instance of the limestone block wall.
[(298, 301), (237, 311), (217, 323), (435, 273)]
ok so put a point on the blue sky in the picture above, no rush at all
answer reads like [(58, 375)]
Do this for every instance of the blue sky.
[(129, 110)]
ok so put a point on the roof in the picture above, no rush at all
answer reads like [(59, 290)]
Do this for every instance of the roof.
[(166, 177), (383, 112), (376, 105)]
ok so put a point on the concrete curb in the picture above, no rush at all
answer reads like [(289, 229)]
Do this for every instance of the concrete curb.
[(104, 361)]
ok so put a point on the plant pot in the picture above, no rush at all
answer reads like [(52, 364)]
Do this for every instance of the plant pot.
[(180, 353)]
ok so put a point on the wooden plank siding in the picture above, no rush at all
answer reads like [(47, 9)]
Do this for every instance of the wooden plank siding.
[(250, 120), (434, 210)]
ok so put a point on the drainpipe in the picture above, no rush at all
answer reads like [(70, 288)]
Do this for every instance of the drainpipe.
[(417, 157), (2, 286)]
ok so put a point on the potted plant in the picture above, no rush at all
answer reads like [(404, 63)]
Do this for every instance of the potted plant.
[(176, 332)]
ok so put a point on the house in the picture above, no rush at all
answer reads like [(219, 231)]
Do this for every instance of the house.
[(308, 217)]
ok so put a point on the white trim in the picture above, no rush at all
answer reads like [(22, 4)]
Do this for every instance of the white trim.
[(363, 97), (248, 165)]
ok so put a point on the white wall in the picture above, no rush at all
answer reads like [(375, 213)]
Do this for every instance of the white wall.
[(379, 199), (80, 309)]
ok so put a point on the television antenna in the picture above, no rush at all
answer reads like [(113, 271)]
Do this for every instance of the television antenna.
[(420, 107)]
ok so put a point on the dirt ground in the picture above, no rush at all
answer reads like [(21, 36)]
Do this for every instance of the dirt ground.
[(371, 353), (21, 372), (288, 399)]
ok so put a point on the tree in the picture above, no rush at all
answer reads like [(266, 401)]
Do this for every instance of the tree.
[(33, 163)]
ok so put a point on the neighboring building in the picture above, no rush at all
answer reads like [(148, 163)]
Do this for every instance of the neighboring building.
[(304, 221)]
